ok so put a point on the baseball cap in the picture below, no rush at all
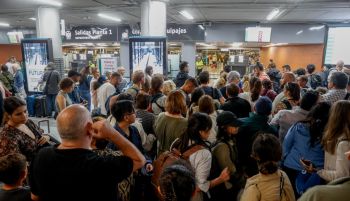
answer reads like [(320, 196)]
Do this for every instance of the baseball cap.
[(227, 118)]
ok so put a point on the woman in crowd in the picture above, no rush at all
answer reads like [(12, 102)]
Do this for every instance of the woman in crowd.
[(303, 141), (271, 184), (197, 132), (20, 134), (19, 81), (255, 90), (225, 154), (195, 96), (62, 98), (206, 105), (267, 90), (158, 98), (177, 182), (84, 85), (171, 124), (168, 86), (292, 96), (336, 142), (148, 77)]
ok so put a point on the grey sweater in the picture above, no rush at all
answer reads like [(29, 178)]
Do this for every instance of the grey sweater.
[(52, 83)]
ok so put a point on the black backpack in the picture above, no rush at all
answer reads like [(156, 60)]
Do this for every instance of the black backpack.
[(315, 81), (154, 100)]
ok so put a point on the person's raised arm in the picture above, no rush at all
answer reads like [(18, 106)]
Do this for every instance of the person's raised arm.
[(102, 129)]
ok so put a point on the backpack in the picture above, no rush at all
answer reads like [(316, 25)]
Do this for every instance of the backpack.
[(168, 158), (108, 100), (315, 81), (154, 100)]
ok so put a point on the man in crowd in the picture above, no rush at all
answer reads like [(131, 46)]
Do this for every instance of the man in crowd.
[(286, 68), (253, 125), (302, 82), (124, 82), (71, 171), (337, 85), (106, 90), (138, 79), (213, 92), (314, 80), (238, 106), (287, 77), (284, 119), (232, 77), (338, 68), (182, 76), (188, 88), (74, 95), (52, 78)]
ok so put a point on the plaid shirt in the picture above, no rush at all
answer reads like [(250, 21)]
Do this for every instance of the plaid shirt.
[(334, 95)]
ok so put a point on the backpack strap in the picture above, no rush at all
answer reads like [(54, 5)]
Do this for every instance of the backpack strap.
[(281, 186), (347, 96), (186, 155)]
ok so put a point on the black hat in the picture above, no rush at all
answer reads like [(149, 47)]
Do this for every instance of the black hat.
[(226, 118)]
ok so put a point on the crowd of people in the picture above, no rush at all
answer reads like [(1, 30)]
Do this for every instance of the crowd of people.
[(269, 135)]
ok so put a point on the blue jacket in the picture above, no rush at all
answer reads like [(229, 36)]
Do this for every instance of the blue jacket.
[(296, 145), (19, 81), (75, 96)]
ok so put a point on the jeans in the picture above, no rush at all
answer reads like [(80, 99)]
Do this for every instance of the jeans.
[(50, 102), (85, 94)]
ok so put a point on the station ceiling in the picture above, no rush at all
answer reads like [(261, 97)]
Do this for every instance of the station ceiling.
[(75, 12)]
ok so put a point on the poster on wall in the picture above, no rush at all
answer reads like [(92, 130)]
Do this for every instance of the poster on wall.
[(148, 51), (108, 65), (36, 55)]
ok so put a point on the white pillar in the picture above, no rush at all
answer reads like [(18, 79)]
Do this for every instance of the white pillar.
[(188, 53), (153, 18), (124, 58), (48, 26)]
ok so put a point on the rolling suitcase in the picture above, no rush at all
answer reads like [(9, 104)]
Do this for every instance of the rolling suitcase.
[(31, 105), (41, 109)]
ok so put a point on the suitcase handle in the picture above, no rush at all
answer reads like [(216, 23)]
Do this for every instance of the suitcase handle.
[(47, 122)]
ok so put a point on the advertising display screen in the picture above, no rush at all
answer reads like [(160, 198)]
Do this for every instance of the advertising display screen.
[(36, 56), (148, 52), (258, 34), (338, 45)]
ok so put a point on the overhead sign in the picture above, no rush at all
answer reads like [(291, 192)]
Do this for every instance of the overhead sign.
[(91, 33), (108, 65), (258, 34), (174, 32)]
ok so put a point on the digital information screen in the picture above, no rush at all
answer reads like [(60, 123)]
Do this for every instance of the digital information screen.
[(258, 34), (338, 45), (35, 56), (148, 52)]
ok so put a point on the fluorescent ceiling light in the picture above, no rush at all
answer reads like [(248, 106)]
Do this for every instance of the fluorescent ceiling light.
[(237, 44), (316, 28), (109, 17), (299, 32), (273, 14), (32, 18), (4, 24), (50, 2), (187, 15), (201, 26)]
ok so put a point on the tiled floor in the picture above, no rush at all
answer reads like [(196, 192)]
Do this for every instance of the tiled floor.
[(52, 124)]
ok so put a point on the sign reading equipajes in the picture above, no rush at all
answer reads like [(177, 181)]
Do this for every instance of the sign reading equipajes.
[(91, 33), (175, 32)]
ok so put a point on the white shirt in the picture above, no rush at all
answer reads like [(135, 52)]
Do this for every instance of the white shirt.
[(105, 91)]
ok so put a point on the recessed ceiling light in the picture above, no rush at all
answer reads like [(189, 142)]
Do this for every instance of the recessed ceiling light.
[(187, 15), (109, 17), (299, 32), (4, 24), (50, 2), (273, 14), (316, 28), (32, 18)]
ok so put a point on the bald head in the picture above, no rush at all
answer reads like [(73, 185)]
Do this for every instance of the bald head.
[(340, 65), (72, 122)]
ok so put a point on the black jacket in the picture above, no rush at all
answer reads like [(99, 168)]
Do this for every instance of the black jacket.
[(180, 79), (238, 106)]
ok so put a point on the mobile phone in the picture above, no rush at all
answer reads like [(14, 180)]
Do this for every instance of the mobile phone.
[(306, 162)]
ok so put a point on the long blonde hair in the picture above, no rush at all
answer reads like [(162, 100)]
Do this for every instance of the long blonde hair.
[(338, 125)]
